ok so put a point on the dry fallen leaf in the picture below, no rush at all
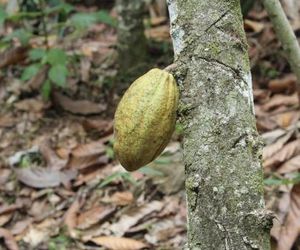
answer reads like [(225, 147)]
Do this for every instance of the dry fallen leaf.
[(31, 105), (53, 161), (290, 166), (89, 154), (133, 216), (13, 56), (9, 240), (41, 232), (286, 119), (261, 95), (265, 123), (286, 152), (93, 148), (7, 121), (85, 66), (271, 149), (290, 228), (21, 226), (272, 136), (44, 177), (253, 25), (159, 33), (93, 216), (4, 218), (281, 208), (10, 208), (278, 100), (119, 243), (155, 21), (82, 107), (292, 10), (287, 83), (101, 126), (70, 219), (122, 198), (4, 175)]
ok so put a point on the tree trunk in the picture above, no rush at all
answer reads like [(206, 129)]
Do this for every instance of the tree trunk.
[(222, 151), (131, 39)]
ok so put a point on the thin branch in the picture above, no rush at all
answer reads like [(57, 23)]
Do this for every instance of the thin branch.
[(44, 23), (285, 34)]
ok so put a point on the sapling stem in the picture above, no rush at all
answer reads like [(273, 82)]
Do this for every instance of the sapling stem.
[(286, 35)]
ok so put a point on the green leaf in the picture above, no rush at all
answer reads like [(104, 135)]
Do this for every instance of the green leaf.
[(163, 160), (56, 57), (110, 152), (110, 179), (150, 171), (22, 35), (37, 54), (30, 72), (123, 175), (67, 8), (179, 128), (58, 75), (104, 17), (273, 182), (3, 15), (46, 90), (128, 177), (60, 242), (276, 181), (83, 20)]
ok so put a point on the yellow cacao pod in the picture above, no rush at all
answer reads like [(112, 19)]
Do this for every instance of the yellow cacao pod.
[(145, 119)]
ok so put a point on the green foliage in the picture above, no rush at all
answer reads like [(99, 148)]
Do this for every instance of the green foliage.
[(37, 54), (125, 176), (30, 159), (21, 34), (3, 15), (179, 128), (84, 20), (46, 89), (56, 57), (150, 171), (30, 72), (59, 242), (58, 75), (43, 19), (164, 160), (246, 6), (104, 17), (267, 71), (109, 149), (277, 181)]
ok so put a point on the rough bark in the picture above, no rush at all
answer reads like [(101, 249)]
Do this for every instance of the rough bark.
[(131, 39), (285, 34), (222, 150)]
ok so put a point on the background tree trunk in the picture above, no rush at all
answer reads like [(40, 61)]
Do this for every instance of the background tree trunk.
[(132, 48), (224, 179)]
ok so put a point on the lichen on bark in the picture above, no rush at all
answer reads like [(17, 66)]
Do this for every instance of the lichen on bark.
[(222, 150)]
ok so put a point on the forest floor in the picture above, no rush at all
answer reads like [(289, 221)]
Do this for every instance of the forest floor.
[(62, 188)]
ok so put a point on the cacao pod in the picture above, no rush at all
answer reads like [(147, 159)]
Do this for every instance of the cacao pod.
[(145, 119)]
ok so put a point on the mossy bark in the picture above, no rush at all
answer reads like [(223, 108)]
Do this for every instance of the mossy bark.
[(222, 150)]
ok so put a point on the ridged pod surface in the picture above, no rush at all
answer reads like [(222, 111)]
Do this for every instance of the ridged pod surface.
[(145, 119)]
